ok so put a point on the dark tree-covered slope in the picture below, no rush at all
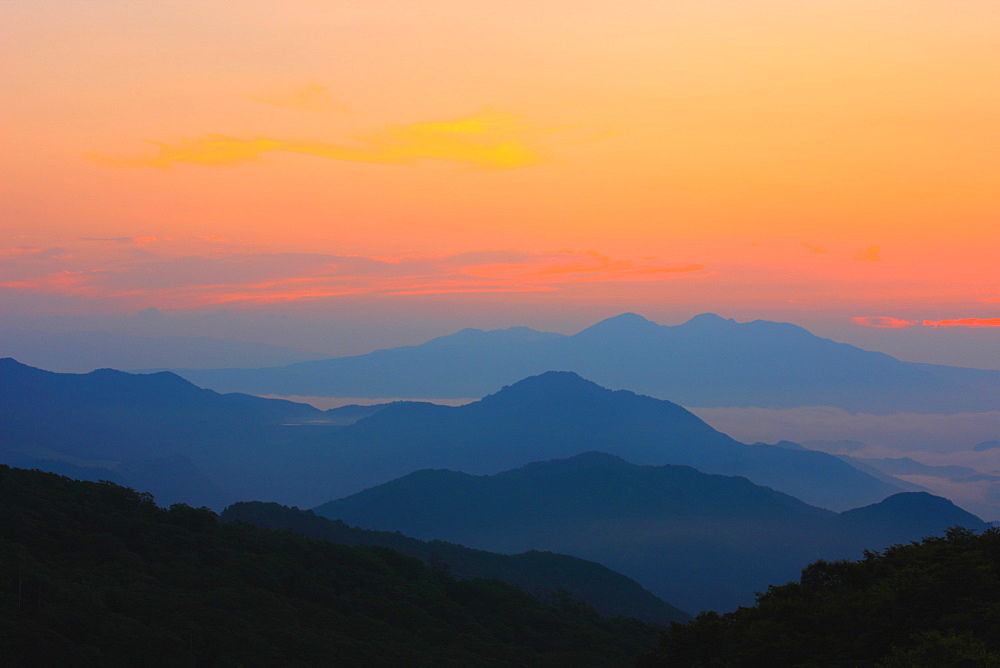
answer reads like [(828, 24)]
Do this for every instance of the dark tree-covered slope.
[(540, 573), (96, 574), (930, 603)]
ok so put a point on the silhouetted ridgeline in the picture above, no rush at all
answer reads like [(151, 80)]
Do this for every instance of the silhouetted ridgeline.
[(707, 361), (226, 448), (540, 573), (933, 603), (96, 574), (699, 541)]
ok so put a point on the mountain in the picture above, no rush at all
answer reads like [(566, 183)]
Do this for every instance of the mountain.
[(707, 361), (154, 431), (559, 414), (908, 466), (700, 541), (93, 574), (77, 352), (987, 445), (273, 450), (540, 573)]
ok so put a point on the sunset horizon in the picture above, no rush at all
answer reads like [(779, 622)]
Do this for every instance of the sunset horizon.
[(826, 164)]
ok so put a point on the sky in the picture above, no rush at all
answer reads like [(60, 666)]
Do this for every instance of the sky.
[(340, 176)]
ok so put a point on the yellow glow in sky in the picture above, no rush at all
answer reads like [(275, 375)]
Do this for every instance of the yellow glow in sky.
[(812, 156)]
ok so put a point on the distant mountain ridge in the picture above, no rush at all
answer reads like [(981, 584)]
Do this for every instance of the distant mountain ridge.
[(79, 352), (559, 414), (700, 541), (157, 432), (707, 361), (273, 450)]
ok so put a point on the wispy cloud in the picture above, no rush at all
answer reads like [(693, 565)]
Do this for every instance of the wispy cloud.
[(812, 248), (487, 141), (21, 251), (870, 254), (193, 281), (140, 241), (884, 322), (895, 323), (963, 322)]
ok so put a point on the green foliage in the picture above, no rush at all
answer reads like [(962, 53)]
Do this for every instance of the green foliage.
[(97, 574), (932, 603)]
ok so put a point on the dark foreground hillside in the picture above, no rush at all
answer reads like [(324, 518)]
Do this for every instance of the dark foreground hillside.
[(932, 603), (539, 573), (97, 574)]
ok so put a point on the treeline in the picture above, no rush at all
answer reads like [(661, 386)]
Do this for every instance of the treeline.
[(932, 603), (97, 574)]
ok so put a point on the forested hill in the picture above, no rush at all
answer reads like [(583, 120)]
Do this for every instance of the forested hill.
[(97, 574), (931, 603), (540, 573)]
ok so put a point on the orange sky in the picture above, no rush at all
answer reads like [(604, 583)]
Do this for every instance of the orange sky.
[(818, 161)]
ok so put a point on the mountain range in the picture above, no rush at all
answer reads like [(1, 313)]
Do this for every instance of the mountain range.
[(272, 450), (559, 414), (665, 498), (700, 541), (707, 361)]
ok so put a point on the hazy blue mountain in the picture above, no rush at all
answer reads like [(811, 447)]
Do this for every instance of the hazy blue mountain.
[(155, 431), (842, 446), (77, 352), (698, 540), (539, 573), (272, 450), (862, 465), (986, 445), (908, 466), (707, 361), (171, 479), (902, 517), (559, 414)]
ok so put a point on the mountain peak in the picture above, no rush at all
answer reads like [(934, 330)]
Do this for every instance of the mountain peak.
[(584, 460), (904, 507), (710, 320), (555, 381), (620, 325), (565, 386)]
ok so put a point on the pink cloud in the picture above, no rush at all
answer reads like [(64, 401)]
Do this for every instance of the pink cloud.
[(22, 251), (895, 323), (963, 322), (193, 281), (884, 322), (138, 241)]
